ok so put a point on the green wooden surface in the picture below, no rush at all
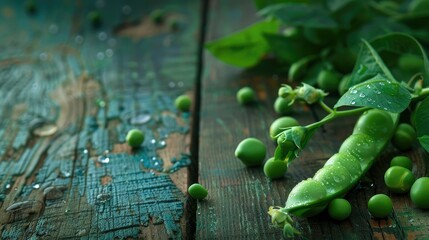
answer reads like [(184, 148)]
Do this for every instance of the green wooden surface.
[(90, 85)]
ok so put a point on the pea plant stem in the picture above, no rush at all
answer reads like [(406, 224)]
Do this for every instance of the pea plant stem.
[(333, 114)]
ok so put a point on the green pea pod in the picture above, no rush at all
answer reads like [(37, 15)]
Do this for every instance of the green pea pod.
[(345, 168)]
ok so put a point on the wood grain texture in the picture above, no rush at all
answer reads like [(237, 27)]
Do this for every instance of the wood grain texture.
[(89, 86), (239, 197)]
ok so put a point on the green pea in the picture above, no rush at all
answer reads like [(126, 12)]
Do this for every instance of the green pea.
[(339, 209), (419, 193), (398, 179), (334, 177), (404, 137), (134, 138), (361, 146), (280, 124), (344, 83), (31, 7), (375, 123), (157, 16), (95, 18), (349, 162), (328, 81), (410, 63), (380, 206), (402, 161), (251, 152), (282, 107), (275, 169), (183, 103), (197, 191), (246, 95)]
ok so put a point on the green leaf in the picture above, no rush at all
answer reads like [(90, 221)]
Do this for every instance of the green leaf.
[(424, 142), (421, 118), (300, 14), (290, 49), (401, 44), (345, 11), (264, 3), (246, 47), (378, 92), (368, 65)]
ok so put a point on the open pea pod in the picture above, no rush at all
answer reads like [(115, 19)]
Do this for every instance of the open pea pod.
[(343, 170)]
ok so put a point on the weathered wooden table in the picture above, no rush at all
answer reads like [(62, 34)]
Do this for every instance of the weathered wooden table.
[(71, 90)]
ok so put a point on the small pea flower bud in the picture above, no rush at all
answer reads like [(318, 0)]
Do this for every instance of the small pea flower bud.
[(309, 94)]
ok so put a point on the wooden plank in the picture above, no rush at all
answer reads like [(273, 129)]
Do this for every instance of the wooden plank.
[(70, 94), (239, 197)]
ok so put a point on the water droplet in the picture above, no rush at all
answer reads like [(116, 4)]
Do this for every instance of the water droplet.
[(27, 206), (389, 102), (180, 84), (43, 56), (377, 92), (78, 39), (172, 84), (368, 86), (162, 143), (103, 197), (65, 174), (7, 186), (369, 99), (36, 186), (53, 28), (353, 91), (140, 119), (85, 151), (101, 103), (153, 141), (362, 95), (44, 129), (381, 83), (126, 9), (102, 36), (103, 159), (353, 102), (109, 53), (81, 232), (54, 192), (100, 55), (385, 108)]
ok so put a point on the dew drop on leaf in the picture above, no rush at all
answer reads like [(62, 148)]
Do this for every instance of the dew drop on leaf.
[(362, 95)]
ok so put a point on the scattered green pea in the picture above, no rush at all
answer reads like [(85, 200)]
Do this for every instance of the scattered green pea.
[(342, 86), (328, 81), (135, 138), (282, 107), (31, 7), (183, 103), (197, 191), (275, 169), (157, 16), (402, 161), (380, 206), (339, 209), (399, 179), (419, 193), (95, 18), (280, 124), (410, 63), (251, 152), (404, 137), (246, 95)]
